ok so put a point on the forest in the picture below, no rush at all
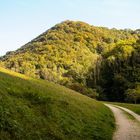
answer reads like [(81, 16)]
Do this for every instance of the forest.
[(98, 62)]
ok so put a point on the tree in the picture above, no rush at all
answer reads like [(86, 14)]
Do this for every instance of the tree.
[(132, 95)]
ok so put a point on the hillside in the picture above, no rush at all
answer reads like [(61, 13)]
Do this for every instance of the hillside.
[(83, 57), (36, 109)]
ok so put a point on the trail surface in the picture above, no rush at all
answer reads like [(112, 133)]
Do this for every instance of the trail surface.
[(127, 127)]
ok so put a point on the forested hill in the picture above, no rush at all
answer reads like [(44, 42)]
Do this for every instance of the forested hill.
[(83, 57)]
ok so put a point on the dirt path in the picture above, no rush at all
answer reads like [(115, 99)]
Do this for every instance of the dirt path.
[(136, 116), (126, 128)]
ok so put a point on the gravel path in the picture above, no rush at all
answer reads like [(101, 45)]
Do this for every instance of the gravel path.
[(126, 128)]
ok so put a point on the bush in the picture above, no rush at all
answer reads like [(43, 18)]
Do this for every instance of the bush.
[(132, 95), (84, 90)]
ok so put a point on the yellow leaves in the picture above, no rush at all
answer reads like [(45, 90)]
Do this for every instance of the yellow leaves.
[(127, 50), (126, 42), (111, 58)]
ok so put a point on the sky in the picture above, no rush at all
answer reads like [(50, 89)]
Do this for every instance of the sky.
[(23, 20)]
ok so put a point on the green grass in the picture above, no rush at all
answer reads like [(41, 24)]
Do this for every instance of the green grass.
[(133, 107), (33, 109), (128, 115)]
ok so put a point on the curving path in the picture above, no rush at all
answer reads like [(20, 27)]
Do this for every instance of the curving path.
[(126, 128)]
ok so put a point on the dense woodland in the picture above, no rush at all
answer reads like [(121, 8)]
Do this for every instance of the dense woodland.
[(99, 62)]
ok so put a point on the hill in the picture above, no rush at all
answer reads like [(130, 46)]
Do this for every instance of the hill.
[(83, 57), (36, 109)]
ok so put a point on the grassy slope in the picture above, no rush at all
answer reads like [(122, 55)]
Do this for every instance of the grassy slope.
[(34, 109), (133, 107)]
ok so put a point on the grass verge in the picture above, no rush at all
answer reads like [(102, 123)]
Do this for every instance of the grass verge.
[(134, 107)]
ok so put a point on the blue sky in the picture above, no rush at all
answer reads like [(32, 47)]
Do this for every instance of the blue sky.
[(23, 20)]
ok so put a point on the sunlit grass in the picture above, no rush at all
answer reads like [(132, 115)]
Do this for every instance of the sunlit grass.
[(36, 109)]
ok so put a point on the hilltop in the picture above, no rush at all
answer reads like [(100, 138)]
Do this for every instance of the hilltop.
[(83, 57)]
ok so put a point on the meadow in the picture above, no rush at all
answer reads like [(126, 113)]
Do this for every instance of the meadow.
[(36, 109)]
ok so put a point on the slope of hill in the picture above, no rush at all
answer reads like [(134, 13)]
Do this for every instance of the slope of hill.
[(36, 109), (78, 55)]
